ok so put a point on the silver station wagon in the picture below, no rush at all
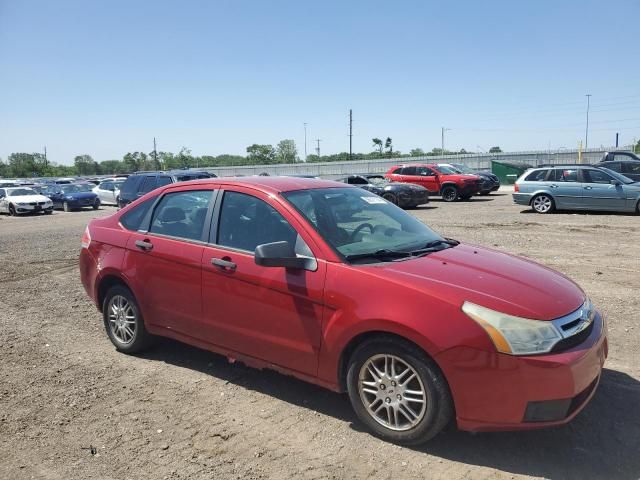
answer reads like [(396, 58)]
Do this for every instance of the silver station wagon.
[(576, 187)]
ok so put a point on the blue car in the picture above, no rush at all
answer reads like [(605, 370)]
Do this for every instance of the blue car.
[(576, 187), (73, 196)]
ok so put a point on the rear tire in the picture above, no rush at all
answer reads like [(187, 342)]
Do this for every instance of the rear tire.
[(414, 388), (390, 197), (66, 207), (449, 193), (543, 203), (123, 321)]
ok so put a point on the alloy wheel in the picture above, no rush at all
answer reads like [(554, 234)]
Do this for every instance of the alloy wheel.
[(542, 204), (392, 392), (449, 194), (122, 319)]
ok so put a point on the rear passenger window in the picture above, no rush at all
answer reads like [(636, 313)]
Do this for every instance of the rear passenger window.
[(181, 214), (133, 218), (632, 167), (615, 166), (537, 176), (164, 181), (566, 175), (409, 171), (148, 184)]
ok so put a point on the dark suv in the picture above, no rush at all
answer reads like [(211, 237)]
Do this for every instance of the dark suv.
[(141, 183), (625, 163)]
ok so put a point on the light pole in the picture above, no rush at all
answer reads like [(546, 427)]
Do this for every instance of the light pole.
[(586, 133), (442, 144), (305, 142)]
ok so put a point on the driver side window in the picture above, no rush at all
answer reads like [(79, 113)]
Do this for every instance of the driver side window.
[(246, 222)]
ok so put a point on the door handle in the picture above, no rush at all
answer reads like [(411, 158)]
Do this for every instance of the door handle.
[(145, 245), (224, 263), (553, 186), (588, 188)]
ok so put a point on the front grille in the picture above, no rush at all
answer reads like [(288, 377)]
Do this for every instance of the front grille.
[(574, 340), (32, 203), (41, 203)]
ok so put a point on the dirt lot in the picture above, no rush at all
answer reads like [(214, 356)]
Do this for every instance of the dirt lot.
[(179, 412)]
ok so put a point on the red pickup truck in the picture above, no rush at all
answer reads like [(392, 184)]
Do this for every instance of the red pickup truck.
[(438, 179)]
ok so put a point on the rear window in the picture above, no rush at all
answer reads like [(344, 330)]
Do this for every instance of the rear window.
[(133, 218), (537, 176), (130, 186), (566, 175), (632, 167), (148, 184)]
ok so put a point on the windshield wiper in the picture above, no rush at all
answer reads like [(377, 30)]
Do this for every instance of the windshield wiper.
[(384, 253), (443, 241)]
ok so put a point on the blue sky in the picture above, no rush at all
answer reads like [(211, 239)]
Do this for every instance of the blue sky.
[(104, 78)]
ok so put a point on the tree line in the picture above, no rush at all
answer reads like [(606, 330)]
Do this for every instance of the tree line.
[(36, 164)]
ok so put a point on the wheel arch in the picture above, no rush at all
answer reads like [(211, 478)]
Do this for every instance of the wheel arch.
[(105, 283), (541, 192), (363, 337)]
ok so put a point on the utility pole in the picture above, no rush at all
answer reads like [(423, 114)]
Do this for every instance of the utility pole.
[(617, 138), (45, 155), (442, 144), (350, 134), (318, 147), (305, 141), (586, 133), (155, 154)]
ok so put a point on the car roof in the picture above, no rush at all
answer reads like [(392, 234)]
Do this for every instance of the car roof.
[(265, 184)]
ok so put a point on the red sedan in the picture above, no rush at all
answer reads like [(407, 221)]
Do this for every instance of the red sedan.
[(334, 285)]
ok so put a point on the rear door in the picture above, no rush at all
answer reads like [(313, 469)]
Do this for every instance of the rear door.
[(270, 313), (600, 193), (166, 259), (566, 187)]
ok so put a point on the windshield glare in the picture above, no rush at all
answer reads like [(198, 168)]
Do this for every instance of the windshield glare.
[(377, 180), (445, 170), (354, 221), (20, 191), (71, 189)]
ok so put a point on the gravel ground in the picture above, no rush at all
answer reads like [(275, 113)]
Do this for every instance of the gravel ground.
[(179, 412)]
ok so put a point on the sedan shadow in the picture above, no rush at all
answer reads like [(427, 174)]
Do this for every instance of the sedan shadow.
[(594, 213), (601, 442)]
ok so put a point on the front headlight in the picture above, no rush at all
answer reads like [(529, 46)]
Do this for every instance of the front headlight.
[(514, 335), (22, 204)]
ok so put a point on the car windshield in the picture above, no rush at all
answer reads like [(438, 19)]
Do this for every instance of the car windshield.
[(445, 170), (21, 191), (362, 226), (617, 176), (380, 181), (86, 187), (72, 188), (462, 168)]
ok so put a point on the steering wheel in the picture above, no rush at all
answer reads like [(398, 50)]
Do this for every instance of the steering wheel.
[(358, 229)]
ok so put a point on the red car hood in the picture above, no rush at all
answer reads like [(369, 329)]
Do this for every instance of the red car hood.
[(493, 279)]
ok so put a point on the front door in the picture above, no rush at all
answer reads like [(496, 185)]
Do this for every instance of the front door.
[(167, 260), (599, 193), (270, 313)]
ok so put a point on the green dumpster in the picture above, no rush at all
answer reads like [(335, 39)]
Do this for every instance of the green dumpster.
[(508, 172)]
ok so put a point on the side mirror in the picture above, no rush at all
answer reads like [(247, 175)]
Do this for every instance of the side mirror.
[(281, 254), (616, 182)]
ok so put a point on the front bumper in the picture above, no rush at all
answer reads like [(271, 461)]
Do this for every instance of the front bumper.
[(36, 208), (494, 391)]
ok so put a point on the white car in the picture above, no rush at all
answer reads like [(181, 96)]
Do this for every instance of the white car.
[(17, 200), (108, 190)]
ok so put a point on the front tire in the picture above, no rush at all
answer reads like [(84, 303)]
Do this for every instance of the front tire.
[(397, 391), (12, 210), (96, 204), (543, 203), (449, 193), (123, 321), (66, 207)]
